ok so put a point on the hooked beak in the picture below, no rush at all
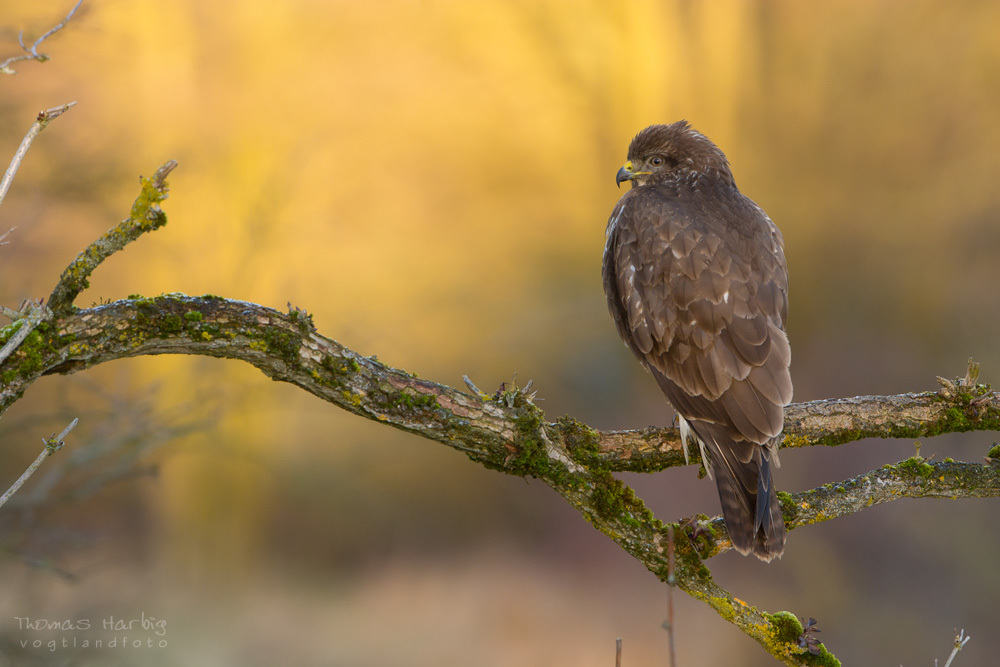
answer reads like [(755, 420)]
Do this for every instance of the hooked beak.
[(626, 174)]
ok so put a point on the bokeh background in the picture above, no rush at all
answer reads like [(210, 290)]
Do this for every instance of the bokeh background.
[(432, 181)]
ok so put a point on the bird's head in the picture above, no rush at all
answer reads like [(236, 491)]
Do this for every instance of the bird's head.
[(663, 153)]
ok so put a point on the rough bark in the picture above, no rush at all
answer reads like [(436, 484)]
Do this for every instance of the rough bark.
[(504, 431)]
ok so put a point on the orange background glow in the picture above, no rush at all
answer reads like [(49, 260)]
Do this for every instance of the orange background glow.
[(431, 180)]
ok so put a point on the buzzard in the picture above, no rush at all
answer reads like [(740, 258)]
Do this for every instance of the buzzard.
[(696, 281)]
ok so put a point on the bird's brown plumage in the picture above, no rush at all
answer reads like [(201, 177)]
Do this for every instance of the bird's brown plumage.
[(696, 282)]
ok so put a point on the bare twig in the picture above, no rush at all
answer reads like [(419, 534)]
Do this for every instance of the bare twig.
[(618, 652), (52, 445), (31, 52), (41, 122), (960, 641), (671, 582), (472, 387), (36, 313)]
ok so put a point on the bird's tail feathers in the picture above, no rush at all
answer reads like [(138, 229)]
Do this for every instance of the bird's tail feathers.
[(742, 472)]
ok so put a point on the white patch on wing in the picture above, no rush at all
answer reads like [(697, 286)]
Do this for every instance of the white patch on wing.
[(613, 223), (612, 226), (704, 457), (688, 435), (685, 437), (725, 297), (630, 275)]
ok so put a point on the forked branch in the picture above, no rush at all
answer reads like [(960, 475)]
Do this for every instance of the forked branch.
[(506, 431), (32, 52)]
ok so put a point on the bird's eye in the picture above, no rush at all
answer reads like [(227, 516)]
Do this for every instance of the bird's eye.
[(656, 161)]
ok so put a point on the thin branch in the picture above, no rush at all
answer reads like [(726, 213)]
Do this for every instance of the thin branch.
[(960, 641), (146, 216), (36, 313), (59, 26), (827, 422), (41, 122), (915, 477), (53, 444), (31, 53), (671, 582)]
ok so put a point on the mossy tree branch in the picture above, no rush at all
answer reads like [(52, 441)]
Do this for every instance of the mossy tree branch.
[(953, 409), (505, 432), (145, 217)]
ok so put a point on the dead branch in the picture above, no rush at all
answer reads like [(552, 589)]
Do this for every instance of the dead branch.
[(31, 52), (52, 444), (41, 122)]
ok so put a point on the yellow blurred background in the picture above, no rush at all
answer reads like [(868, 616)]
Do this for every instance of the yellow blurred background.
[(432, 180)]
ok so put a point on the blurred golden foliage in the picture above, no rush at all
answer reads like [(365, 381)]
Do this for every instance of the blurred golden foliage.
[(431, 179)]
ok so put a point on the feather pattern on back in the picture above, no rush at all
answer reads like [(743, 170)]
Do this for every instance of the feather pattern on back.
[(697, 284)]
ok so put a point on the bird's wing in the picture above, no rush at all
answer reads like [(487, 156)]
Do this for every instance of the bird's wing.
[(698, 289)]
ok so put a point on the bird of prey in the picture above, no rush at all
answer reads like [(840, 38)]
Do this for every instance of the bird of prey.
[(696, 281)]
